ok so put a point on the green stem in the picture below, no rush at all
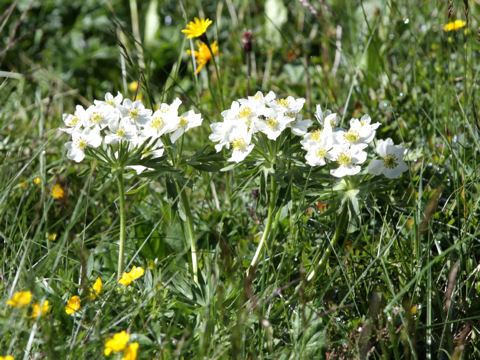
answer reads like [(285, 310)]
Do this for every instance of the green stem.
[(216, 72), (268, 225), (190, 234), (121, 194), (338, 232)]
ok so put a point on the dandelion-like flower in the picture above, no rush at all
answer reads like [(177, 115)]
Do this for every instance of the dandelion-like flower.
[(73, 305), (454, 25), (7, 357), (40, 309), (96, 289), (203, 54), (392, 164), (58, 192), (197, 27), (116, 343), (20, 299)]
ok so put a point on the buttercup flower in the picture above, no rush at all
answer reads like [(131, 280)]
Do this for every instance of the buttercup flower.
[(20, 299), (197, 28), (116, 343), (57, 192), (135, 273), (73, 305), (454, 25), (40, 309), (96, 289), (392, 165), (203, 55), (7, 357), (37, 181), (131, 351)]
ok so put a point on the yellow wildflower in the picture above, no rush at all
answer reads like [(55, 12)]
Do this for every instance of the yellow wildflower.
[(454, 25), (52, 237), (73, 305), (197, 28), (37, 181), (135, 273), (40, 309), (131, 351), (203, 55), (20, 299), (117, 343), (57, 192), (96, 289), (7, 357), (22, 185)]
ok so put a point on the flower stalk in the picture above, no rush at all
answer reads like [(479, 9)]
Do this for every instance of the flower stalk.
[(190, 234), (333, 242), (268, 225), (121, 249)]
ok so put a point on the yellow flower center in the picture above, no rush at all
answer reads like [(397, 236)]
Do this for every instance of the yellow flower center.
[(96, 118), (183, 122), (133, 113), (344, 158), (245, 113), (157, 123), (282, 102), (110, 102), (291, 114), (322, 152), (74, 121), (390, 162), (238, 143), (315, 135), (258, 96), (272, 122), (352, 136), (121, 132), (82, 144)]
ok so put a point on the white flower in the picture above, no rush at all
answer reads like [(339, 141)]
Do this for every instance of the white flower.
[(392, 165), (160, 123), (322, 115), (317, 143), (110, 100), (74, 122), (121, 130), (222, 132), (289, 105), (274, 123), (100, 116), (80, 141), (186, 122), (348, 160), (135, 111), (241, 145), (299, 126)]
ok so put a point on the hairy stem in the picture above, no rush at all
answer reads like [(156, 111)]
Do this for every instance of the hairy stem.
[(121, 194)]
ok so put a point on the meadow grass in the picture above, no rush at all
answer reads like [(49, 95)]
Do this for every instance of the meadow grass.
[(395, 269)]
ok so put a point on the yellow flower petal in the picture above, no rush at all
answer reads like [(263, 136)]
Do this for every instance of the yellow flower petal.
[(131, 352), (57, 192), (42, 310), (197, 28), (96, 289), (73, 305), (116, 343), (7, 357), (454, 25), (20, 299)]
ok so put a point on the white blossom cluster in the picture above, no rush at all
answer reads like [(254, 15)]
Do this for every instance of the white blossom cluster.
[(116, 119), (347, 147), (259, 113)]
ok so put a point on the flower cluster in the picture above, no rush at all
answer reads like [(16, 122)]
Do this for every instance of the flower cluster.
[(116, 119), (75, 303), (118, 343), (346, 147), (135, 273), (257, 114)]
